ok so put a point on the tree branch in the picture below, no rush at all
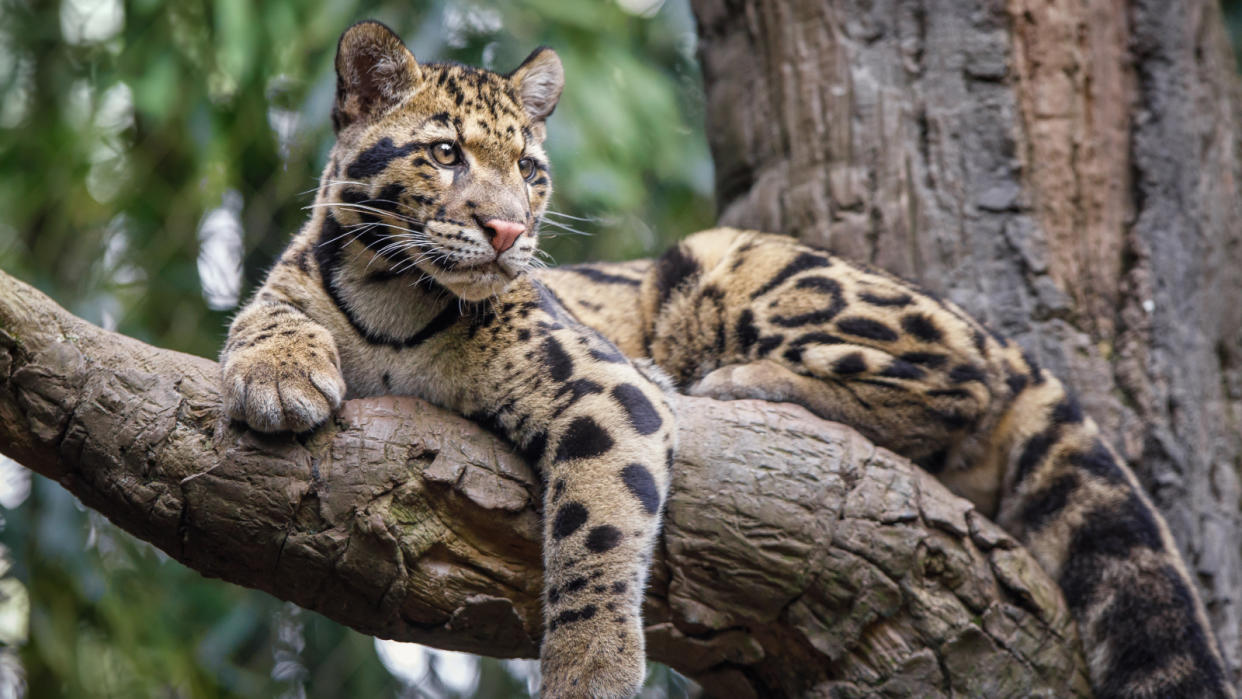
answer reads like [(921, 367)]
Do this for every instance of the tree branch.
[(797, 558)]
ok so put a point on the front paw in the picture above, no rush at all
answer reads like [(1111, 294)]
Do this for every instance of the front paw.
[(593, 663), (274, 386)]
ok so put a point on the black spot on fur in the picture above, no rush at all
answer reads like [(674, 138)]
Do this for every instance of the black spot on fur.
[(1099, 462), (302, 260), (582, 440), (816, 338), (768, 343), (852, 363), (523, 335), (747, 333), (1044, 505), (534, 449), (389, 198), (569, 518), (606, 352), (1114, 532), (955, 393), (353, 195), (900, 369), (576, 390), (1037, 374), (963, 373), (1067, 412), (931, 360), (642, 485), (793, 355), (922, 327), (801, 263), (1017, 383), (560, 365), (890, 301), (980, 340), (819, 315), (826, 285), (1034, 451), (603, 538), (672, 269), (375, 159), (619, 587), (558, 489), (599, 276), (866, 328), (570, 616), (443, 321), (642, 413), (716, 295)]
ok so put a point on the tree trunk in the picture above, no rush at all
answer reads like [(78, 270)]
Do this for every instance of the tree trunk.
[(1067, 171), (797, 558)]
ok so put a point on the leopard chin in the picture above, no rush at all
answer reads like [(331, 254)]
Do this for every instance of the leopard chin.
[(478, 283)]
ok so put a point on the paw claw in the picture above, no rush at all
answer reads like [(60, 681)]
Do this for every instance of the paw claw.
[(295, 394)]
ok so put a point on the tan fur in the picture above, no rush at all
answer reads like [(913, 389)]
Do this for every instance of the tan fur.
[(738, 314), (394, 286)]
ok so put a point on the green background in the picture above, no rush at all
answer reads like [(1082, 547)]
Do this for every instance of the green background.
[(124, 124)]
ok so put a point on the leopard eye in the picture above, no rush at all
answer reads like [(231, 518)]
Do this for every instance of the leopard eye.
[(526, 168), (446, 153)]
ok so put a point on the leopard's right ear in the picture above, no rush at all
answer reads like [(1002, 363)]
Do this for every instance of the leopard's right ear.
[(374, 72)]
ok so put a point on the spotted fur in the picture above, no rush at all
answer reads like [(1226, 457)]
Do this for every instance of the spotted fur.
[(735, 314), (409, 278)]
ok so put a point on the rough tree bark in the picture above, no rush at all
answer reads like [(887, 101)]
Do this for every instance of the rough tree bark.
[(1067, 170), (797, 559)]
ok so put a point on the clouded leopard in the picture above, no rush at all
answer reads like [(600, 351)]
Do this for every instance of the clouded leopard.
[(412, 276)]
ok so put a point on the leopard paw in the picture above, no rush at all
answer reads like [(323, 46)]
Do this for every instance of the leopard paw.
[(290, 385)]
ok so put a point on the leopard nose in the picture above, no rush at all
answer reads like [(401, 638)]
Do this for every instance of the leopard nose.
[(503, 233)]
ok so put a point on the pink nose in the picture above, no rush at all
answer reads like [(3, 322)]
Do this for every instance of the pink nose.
[(503, 233)]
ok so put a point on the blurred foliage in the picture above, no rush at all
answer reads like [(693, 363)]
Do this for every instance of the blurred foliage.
[(1233, 25), (125, 126)]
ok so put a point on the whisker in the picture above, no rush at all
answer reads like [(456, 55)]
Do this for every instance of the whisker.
[(561, 228), (361, 208), (586, 219), (367, 185), (401, 231)]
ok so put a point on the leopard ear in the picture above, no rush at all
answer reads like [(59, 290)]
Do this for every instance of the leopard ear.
[(374, 71), (539, 81)]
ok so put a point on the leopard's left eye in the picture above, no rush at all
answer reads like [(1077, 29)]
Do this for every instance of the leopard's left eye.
[(526, 168), (446, 153)]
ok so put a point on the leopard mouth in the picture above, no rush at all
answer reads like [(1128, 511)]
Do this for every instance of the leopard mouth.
[(503, 268), (480, 281)]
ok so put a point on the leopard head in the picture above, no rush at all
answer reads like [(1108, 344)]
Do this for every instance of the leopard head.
[(439, 169)]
